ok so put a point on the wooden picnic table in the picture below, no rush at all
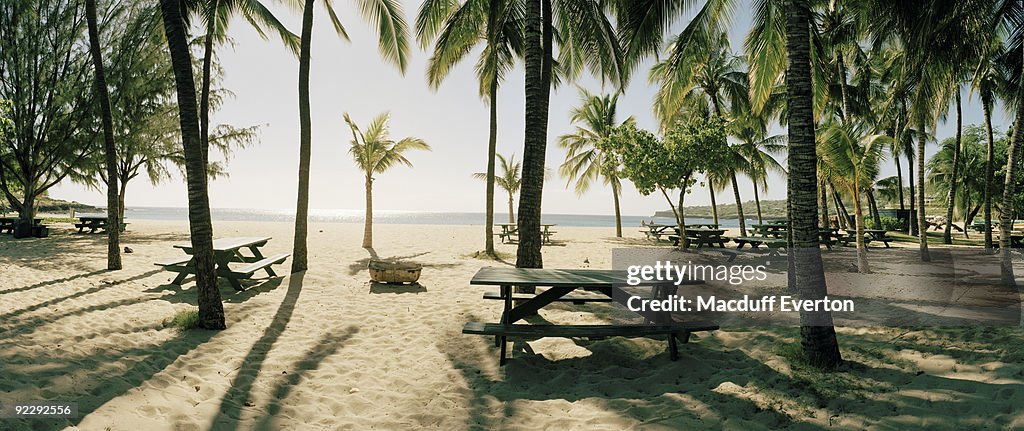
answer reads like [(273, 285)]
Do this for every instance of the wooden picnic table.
[(225, 252), (510, 232), (7, 223), (560, 284), (1017, 241), (775, 230), (94, 222), (656, 230), (701, 237)]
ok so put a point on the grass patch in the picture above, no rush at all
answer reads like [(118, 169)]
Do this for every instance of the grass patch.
[(184, 320)]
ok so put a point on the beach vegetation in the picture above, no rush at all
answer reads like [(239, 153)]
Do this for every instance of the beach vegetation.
[(595, 119), (183, 320), (375, 153), (510, 179), (388, 18), (53, 131), (455, 29)]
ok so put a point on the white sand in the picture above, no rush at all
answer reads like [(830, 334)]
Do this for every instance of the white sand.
[(329, 351)]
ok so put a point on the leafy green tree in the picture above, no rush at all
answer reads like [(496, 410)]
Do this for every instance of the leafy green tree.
[(509, 180), (45, 74), (457, 29), (392, 43), (653, 165), (374, 152), (211, 309), (584, 160)]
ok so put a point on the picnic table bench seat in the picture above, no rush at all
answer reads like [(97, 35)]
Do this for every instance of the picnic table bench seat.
[(250, 268), (679, 330), (175, 262), (754, 241), (575, 299)]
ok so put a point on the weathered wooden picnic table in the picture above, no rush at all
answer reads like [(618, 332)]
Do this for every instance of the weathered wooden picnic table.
[(560, 284), (701, 237), (775, 230), (656, 230), (510, 232), (7, 223), (225, 252), (94, 222), (878, 235)]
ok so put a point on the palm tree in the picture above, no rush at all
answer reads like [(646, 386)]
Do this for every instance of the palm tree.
[(990, 81), (585, 161), (510, 180), (375, 153), (109, 148), (393, 45), (758, 148), (211, 309), (537, 51), (457, 29), (854, 154), (216, 15), (817, 332), (970, 196), (698, 74)]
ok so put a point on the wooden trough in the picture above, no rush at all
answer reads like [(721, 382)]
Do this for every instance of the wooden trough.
[(383, 271)]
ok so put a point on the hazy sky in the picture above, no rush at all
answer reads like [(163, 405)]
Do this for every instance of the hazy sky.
[(351, 77)]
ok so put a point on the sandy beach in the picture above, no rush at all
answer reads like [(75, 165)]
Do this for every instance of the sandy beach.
[(330, 350)]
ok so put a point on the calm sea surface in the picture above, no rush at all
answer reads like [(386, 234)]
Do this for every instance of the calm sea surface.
[(396, 217)]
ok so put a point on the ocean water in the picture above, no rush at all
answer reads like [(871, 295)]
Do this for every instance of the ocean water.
[(398, 217)]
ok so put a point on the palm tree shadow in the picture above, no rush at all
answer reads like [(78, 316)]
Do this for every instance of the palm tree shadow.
[(239, 394), (326, 347), (53, 282)]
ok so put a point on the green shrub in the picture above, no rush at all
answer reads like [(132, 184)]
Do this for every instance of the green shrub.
[(184, 320), (891, 223)]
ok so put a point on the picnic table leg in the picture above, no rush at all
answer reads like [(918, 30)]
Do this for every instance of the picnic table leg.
[(180, 278), (257, 256)]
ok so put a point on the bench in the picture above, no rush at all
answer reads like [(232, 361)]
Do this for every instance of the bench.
[(754, 241), (681, 330), (250, 268), (93, 227), (575, 299)]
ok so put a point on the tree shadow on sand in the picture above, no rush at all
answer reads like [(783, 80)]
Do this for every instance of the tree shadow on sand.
[(712, 384), (240, 392)]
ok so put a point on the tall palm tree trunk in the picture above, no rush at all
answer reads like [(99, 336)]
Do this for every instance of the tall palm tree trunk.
[(824, 205), (511, 208), (1006, 210), (841, 212), (714, 205), (989, 163), (305, 143), (922, 226), (109, 149), (873, 207), (947, 233), (538, 87), (492, 146), (913, 223), (739, 205), (492, 137), (211, 310), (757, 202), (817, 332), (858, 220), (616, 189), (899, 179), (368, 216), (204, 97)]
